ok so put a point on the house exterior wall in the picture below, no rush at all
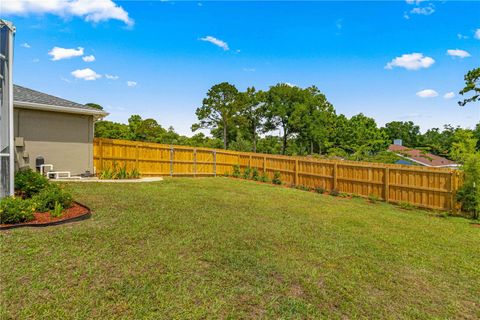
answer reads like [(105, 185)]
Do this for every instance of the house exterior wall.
[(62, 139)]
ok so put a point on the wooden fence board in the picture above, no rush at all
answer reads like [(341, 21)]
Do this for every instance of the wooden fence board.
[(420, 186)]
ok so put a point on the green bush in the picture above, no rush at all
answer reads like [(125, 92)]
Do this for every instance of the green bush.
[(264, 178), (334, 192), (276, 178), (247, 173), (16, 209), (469, 193), (48, 197), (373, 198), (236, 171), (57, 210), (122, 173), (320, 190), (118, 173), (302, 187), (106, 174), (406, 206), (28, 182), (134, 174), (255, 174)]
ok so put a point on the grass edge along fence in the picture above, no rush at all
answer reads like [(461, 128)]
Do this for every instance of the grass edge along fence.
[(432, 188)]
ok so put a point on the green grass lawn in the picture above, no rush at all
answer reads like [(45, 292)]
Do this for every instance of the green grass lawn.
[(224, 248)]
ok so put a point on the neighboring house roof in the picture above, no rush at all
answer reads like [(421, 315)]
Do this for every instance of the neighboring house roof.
[(28, 98), (421, 157)]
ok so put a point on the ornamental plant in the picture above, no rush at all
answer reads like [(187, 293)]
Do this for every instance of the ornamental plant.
[(469, 193), (28, 183), (15, 210)]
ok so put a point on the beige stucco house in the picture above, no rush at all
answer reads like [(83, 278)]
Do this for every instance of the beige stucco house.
[(57, 130)]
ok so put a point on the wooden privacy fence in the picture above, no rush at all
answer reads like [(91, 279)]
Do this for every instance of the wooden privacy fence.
[(433, 188)]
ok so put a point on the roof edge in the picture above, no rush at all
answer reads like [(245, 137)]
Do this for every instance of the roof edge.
[(452, 165), (46, 107)]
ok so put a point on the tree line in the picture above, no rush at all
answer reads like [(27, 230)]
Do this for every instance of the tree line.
[(290, 120)]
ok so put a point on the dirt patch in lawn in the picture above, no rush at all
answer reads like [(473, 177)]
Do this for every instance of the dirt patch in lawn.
[(42, 219)]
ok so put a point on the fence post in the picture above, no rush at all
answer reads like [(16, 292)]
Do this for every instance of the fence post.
[(100, 151), (296, 172), (265, 164), (137, 155), (453, 191), (214, 163), (194, 162), (335, 168), (386, 181), (171, 161), (250, 161)]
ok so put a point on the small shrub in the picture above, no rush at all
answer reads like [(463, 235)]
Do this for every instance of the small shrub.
[(264, 178), (236, 171), (16, 209), (373, 198), (106, 174), (405, 205), (469, 193), (247, 173), (122, 173), (443, 214), (320, 190), (302, 187), (276, 178), (57, 210), (255, 174), (134, 174), (48, 197), (334, 192), (28, 182), (118, 173)]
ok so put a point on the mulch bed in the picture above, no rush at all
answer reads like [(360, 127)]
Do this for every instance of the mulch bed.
[(76, 212)]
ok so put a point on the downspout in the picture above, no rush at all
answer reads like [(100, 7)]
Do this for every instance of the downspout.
[(10, 106)]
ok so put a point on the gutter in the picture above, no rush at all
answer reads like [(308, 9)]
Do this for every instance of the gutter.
[(97, 114)]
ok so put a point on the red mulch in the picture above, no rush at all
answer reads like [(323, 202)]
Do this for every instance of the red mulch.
[(44, 217)]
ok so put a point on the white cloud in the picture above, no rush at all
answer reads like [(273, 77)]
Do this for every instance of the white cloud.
[(419, 9), (461, 36), (411, 61), (89, 58), (25, 45), (427, 93), (36, 60), (458, 53), (86, 74), (63, 53), (111, 77), (426, 11), (219, 43), (477, 34), (131, 83), (417, 2), (339, 24), (290, 84), (449, 95), (90, 10)]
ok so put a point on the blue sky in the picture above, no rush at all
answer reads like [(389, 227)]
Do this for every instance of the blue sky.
[(158, 65)]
